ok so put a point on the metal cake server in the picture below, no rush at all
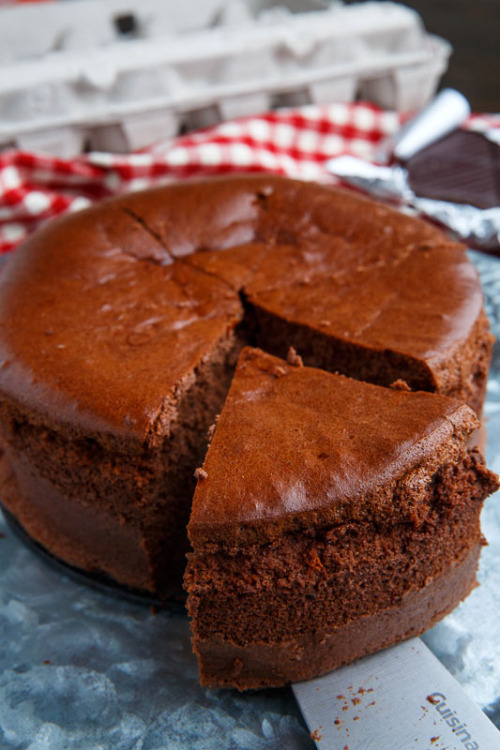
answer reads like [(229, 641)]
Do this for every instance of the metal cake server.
[(401, 698)]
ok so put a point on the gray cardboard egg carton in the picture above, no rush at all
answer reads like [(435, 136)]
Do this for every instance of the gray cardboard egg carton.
[(118, 75)]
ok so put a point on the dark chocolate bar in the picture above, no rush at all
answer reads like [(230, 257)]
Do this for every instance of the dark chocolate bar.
[(462, 167)]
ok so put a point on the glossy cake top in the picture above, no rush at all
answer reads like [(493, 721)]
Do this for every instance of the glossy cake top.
[(418, 302), (104, 313), (295, 446)]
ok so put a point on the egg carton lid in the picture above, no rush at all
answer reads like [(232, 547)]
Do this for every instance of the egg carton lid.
[(161, 62)]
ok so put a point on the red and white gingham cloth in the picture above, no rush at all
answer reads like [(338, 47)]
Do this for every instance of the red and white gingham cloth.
[(293, 142)]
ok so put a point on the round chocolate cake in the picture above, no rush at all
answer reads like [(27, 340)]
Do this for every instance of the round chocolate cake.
[(120, 330)]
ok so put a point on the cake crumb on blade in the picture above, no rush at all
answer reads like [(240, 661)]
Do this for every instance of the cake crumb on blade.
[(315, 735)]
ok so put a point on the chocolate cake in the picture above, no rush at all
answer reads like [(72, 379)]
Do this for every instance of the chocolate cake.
[(331, 518), (120, 328)]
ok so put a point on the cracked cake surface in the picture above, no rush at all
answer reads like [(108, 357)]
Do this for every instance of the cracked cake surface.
[(102, 313)]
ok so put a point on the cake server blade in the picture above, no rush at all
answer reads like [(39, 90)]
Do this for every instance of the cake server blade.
[(401, 698)]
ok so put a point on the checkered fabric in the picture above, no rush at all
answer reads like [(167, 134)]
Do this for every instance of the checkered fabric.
[(293, 142)]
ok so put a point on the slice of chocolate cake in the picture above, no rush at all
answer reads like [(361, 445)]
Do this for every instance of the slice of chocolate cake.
[(331, 518)]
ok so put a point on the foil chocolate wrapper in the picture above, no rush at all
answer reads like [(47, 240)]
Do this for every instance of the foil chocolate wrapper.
[(478, 228), (433, 168), (447, 111)]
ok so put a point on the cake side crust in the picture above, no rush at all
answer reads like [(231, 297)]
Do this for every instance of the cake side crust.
[(223, 664), (70, 490), (87, 538)]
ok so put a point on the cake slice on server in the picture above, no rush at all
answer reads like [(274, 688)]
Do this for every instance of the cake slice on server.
[(331, 518)]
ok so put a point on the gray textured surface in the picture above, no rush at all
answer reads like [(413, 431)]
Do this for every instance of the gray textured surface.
[(79, 670), (82, 671)]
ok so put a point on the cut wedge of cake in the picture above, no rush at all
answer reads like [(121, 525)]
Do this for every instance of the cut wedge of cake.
[(331, 518)]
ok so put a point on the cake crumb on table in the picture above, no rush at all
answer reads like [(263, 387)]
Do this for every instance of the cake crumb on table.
[(200, 474)]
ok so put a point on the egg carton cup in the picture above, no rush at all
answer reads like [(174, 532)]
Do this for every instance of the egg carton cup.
[(121, 94)]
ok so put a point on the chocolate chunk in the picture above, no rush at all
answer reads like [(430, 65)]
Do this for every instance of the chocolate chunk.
[(462, 167), (126, 24)]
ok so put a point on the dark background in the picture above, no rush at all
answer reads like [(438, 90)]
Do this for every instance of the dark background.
[(473, 28)]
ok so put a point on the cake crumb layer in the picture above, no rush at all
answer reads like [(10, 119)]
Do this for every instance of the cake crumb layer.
[(256, 666)]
